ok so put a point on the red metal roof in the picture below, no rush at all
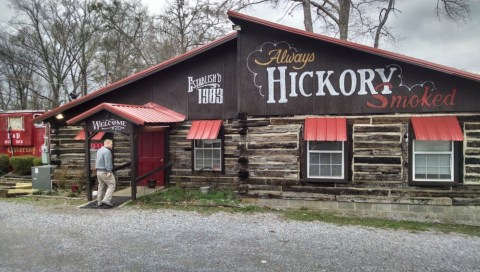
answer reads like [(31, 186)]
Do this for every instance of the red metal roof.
[(150, 113), (430, 65), (437, 128), (81, 136), (325, 129), (204, 130), (137, 76)]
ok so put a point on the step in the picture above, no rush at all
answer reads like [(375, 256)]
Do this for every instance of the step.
[(21, 185), (257, 187), (16, 192)]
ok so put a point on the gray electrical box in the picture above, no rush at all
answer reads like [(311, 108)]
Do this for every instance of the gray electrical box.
[(41, 177)]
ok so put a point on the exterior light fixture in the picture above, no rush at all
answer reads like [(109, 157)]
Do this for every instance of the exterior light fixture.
[(59, 116), (237, 27)]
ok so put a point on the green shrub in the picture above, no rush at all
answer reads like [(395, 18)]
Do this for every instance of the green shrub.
[(22, 165), (37, 161), (4, 164)]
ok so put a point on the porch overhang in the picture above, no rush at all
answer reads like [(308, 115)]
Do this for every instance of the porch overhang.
[(126, 119), (148, 114)]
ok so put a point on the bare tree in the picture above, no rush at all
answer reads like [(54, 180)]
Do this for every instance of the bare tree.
[(128, 34), (354, 19), (46, 35), (307, 15), (85, 27), (19, 88), (454, 10), (188, 25)]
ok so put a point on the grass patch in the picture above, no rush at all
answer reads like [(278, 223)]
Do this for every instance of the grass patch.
[(43, 201), (46, 193), (194, 200), (309, 215), (49, 198)]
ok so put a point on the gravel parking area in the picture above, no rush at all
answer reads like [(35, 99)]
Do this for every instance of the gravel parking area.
[(35, 238)]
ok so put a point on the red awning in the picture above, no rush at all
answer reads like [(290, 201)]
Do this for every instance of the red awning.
[(81, 136), (148, 114), (325, 129), (204, 130), (437, 128)]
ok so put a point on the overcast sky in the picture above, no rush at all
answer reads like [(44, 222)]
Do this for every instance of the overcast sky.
[(422, 34)]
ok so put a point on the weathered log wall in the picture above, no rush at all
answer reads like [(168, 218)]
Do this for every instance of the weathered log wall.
[(378, 164), (68, 155), (471, 148), (180, 152), (267, 154), (378, 155)]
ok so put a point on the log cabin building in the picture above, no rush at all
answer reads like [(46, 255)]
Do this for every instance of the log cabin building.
[(290, 119)]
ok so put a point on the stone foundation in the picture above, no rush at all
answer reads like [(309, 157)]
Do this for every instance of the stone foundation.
[(468, 215)]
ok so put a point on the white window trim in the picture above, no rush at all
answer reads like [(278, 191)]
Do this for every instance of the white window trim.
[(16, 117), (342, 152), (195, 148), (451, 153)]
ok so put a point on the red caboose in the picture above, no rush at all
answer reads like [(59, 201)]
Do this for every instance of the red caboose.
[(19, 135)]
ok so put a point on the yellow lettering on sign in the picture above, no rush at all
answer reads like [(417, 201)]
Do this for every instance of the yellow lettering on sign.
[(281, 56)]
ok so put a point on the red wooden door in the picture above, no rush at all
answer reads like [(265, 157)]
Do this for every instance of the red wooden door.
[(151, 156)]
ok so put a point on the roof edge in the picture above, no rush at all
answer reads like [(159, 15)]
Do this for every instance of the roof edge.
[(125, 81), (356, 46)]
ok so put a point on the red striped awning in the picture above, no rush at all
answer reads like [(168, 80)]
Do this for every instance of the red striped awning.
[(204, 130), (81, 136), (325, 129), (437, 128)]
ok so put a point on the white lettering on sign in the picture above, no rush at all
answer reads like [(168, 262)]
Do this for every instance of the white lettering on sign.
[(15, 135), (208, 87), (357, 80), (286, 74), (111, 124)]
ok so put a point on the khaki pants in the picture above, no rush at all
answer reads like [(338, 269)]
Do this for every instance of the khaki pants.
[(106, 187)]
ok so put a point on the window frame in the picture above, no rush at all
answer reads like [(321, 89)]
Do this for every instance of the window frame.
[(346, 158), (325, 151), (222, 155), (455, 160), (451, 161), (22, 121)]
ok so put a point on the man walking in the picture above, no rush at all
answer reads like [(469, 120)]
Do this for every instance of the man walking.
[(106, 180)]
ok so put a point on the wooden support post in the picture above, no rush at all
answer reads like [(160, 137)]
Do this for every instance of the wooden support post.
[(134, 161), (88, 171)]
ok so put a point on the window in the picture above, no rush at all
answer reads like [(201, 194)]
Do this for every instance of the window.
[(38, 125), (207, 147), (326, 149), (15, 123), (208, 154), (325, 160), (433, 152), (433, 160)]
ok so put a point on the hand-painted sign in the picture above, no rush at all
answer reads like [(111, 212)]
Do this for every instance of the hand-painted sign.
[(109, 125), (105, 121), (209, 88), (284, 74)]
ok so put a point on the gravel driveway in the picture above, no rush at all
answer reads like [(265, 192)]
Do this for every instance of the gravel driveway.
[(35, 238)]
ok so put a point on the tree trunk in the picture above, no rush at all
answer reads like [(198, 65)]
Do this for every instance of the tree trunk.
[(383, 17), (343, 19), (307, 16)]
